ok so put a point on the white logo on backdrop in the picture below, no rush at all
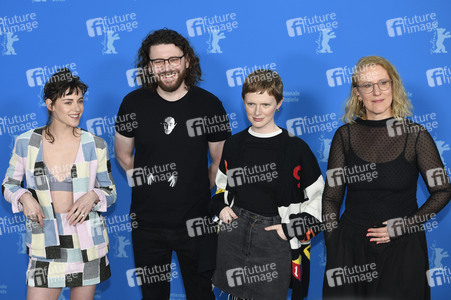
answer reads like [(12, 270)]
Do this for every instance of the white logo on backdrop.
[(325, 36), (442, 146), (8, 41), (110, 27), (213, 41), (321, 24), (411, 25), (236, 76), (335, 77), (121, 243), (215, 26), (437, 256), (10, 26), (438, 76), (324, 148), (438, 40), (108, 47), (21, 243)]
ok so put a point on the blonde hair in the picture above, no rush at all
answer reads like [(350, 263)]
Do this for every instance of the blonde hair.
[(400, 107)]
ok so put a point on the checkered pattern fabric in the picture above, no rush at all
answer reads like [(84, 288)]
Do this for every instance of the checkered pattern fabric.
[(91, 171)]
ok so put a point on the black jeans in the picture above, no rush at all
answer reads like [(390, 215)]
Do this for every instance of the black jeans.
[(153, 248)]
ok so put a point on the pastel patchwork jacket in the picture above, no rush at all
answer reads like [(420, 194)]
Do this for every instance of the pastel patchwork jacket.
[(91, 171)]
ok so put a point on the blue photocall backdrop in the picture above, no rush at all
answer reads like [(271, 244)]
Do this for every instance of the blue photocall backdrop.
[(312, 44)]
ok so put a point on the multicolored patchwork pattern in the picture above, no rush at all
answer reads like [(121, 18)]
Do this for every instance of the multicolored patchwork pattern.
[(52, 274), (91, 171)]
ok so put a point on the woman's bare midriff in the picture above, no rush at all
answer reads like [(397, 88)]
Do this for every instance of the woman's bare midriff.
[(62, 201), (59, 159)]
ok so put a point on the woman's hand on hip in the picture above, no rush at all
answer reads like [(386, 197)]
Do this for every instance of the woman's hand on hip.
[(279, 230), (227, 215)]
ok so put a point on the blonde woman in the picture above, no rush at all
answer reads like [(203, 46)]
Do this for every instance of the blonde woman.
[(379, 250)]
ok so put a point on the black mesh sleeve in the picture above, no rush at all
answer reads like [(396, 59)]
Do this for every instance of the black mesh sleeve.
[(437, 182), (334, 188)]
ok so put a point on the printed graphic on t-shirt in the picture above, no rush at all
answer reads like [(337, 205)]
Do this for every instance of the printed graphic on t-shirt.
[(169, 125), (172, 180)]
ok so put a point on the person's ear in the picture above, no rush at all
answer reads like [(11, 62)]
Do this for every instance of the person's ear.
[(49, 104)]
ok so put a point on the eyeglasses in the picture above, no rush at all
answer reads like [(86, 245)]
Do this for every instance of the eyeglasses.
[(173, 61), (368, 87)]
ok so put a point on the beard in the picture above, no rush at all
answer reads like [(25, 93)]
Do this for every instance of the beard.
[(173, 86)]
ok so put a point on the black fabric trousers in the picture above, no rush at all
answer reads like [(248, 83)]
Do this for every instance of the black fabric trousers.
[(152, 249), (359, 269)]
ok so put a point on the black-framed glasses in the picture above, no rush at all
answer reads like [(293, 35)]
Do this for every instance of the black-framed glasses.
[(173, 61), (368, 87)]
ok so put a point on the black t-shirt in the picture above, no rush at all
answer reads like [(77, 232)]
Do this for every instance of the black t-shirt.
[(258, 192), (169, 181)]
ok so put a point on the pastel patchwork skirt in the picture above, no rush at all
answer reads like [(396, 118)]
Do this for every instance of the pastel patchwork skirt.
[(69, 270)]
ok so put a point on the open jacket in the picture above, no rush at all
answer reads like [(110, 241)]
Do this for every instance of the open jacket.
[(91, 171), (299, 192)]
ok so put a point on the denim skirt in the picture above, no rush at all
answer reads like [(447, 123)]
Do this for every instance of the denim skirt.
[(252, 263)]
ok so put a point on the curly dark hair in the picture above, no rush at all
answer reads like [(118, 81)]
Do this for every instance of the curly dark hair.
[(63, 82), (166, 36)]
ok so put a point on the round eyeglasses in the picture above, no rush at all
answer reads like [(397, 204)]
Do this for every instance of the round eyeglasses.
[(368, 87)]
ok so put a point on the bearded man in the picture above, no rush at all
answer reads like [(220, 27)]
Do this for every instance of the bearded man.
[(168, 210)]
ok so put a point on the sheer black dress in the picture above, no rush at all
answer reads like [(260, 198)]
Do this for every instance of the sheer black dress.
[(377, 163)]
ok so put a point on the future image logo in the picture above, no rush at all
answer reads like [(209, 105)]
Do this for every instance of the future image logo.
[(437, 177), (11, 25), (151, 274), (110, 27), (211, 124), (312, 124), (352, 174), (165, 173), (236, 76), (411, 25), (323, 25), (133, 78), (40, 75), (438, 76), (438, 276), (348, 275), (252, 174), (344, 75), (252, 274), (216, 26), (337, 77)]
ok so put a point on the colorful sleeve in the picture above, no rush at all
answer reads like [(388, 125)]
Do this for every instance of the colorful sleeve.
[(219, 200), (305, 214), (104, 186), (12, 187)]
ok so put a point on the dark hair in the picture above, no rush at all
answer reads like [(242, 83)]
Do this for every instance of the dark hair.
[(160, 37), (63, 82), (262, 80)]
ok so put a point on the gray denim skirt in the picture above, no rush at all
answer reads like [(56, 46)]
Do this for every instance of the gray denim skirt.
[(252, 263)]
